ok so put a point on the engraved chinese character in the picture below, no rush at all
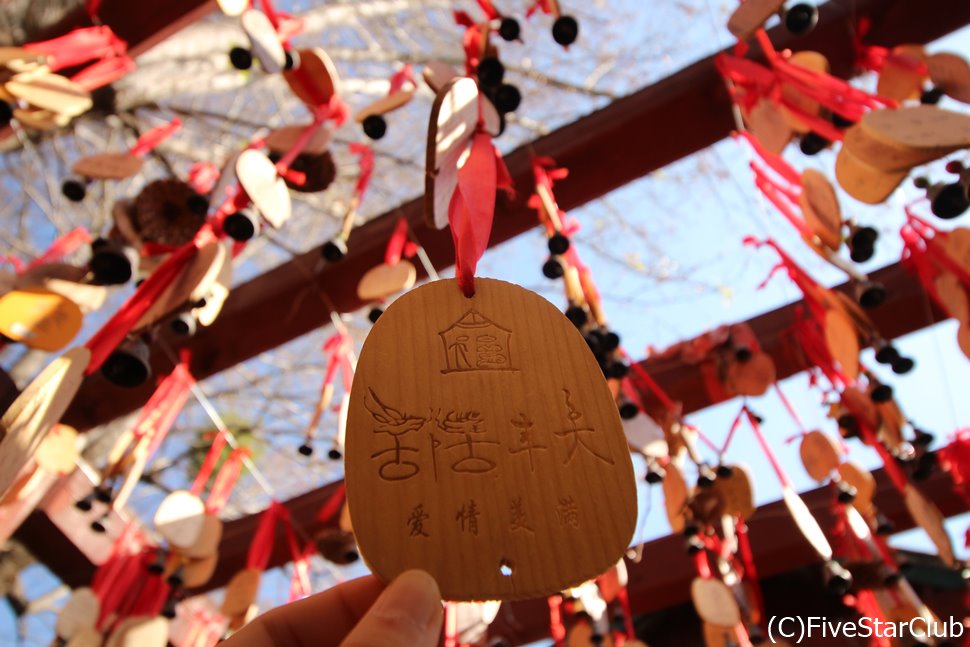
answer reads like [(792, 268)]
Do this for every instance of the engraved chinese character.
[(416, 521), (575, 433), (490, 353), (526, 441), (396, 425), (519, 519), (568, 512), (467, 516), (473, 343), (470, 426)]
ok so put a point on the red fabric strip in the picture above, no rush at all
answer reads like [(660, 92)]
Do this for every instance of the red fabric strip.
[(104, 72), (209, 463), (556, 627), (365, 161), (152, 138), (472, 209), (262, 543), (332, 506), (79, 46), (62, 247), (225, 481), (396, 243), (766, 448), (750, 572)]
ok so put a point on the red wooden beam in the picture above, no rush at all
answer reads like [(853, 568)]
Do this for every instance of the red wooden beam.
[(611, 147)]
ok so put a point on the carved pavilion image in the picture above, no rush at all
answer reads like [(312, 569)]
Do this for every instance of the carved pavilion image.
[(473, 343)]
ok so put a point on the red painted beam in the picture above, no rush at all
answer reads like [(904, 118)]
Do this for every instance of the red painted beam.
[(611, 147)]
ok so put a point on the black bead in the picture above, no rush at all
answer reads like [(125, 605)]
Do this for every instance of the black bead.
[(305, 449), (84, 505), (861, 252), (110, 267), (292, 58), (865, 235), (73, 190), (882, 393), (923, 438), (168, 612), (241, 58), (125, 370), (655, 475), (593, 341), (694, 545), (725, 471), (884, 526), (838, 580), (618, 370), (6, 113), (950, 202), (931, 97), (97, 526), (801, 18), (873, 296), (847, 493), (849, 425), (705, 476), (184, 325), (841, 122), (102, 494), (903, 365), (332, 251), (507, 98), (552, 269), (490, 72), (239, 226), (375, 126), (812, 143), (509, 29), (610, 341), (743, 354), (558, 244), (197, 204), (628, 410), (887, 354), (577, 316), (565, 30), (334, 454), (374, 315)]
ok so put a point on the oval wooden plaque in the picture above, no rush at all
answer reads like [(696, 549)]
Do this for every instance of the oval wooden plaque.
[(241, 592), (57, 453), (180, 518), (821, 208), (385, 105), (39, 318), (51, 92), (264, 40), (863, 182), (108, 166), (88, 637), (736, 492), (842, 340), (384, 280), (806, 523), (951, 73), (316, 79), (481, 432), (258, 176), (751, 15), (886, 156), (863, 482), (675, 497), (954, 296), (769, 125), (902, 82), (79, 612), (924, 126), (820, 455), (191, 285), (714, 602), (281, 140)]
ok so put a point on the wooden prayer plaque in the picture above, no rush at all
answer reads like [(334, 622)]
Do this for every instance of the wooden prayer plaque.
[(821, 208), (887, 156), (454, 117), (199, 571), (281, 140), (714, 602), (863, 182), (950, 73), (928, 516), (191, 285), (751, 15), (241, 592), (768, 123), (751, 377), (87, 637), (924, 126), (57, 453), (806, 522), (483, 446), (258, 176), (39, 318), (385, 105), (264, 41), (736, 492), (384, 280), (863, 482), (140, 631), (820, 455), (180, 518), (842, 340), (675, 497), (218, 293), (40, 119), (902, 82), (108, 166), (315, 81), (954, 296), (50, 92), (79, 612), (36, 410)]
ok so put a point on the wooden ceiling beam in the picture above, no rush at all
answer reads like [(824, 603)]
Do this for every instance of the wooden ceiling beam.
[(605, 150)]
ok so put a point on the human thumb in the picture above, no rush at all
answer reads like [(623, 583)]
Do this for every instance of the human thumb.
[(407, 614)]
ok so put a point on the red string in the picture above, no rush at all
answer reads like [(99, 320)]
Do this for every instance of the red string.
[(209, 463), (152, 138), (451, 625), (789, 408), (104, 72), (397, 242), (79, 46), (225, 481), (262, 543), (624, 596), (365, 160), (775, 465), (556, 627), (163, 407), (750, 572), (203, 176), (332, 505)]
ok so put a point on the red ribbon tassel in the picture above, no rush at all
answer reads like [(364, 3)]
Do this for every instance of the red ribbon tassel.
[(472, 206), (152, 138)]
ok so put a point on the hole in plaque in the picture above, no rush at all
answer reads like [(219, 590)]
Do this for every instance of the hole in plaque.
[(505, 567)]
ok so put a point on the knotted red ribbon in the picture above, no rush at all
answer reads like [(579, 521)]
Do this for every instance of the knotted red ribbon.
[(152, 138), (472, 206), (79, 46), (544, 5), (365, 162), (131, 311), (875, 57), (472, 41), (337, 348)]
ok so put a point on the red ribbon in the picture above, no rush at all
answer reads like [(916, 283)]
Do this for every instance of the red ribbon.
[(300, 586), (104, 72), (365, 161), (490, 11), (399, 245), (163, 407), (131, 311), (261, 546), (332, 506), (152, 138), (203, 177), (209, 463), (544, 5), (225, 481), (399, 78), (750, 572), (79, 46), (556, 627), (472, 41), (472, 206)]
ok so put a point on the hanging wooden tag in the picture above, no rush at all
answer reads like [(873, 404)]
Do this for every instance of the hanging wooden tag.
[(218, 293), (886, 156), (808, 60), (316, 80), (264, 41), (258, 176), (806, 523), (233, 7), (385, 105), (821, 208), (241, 592), (902, 82), (950, 73), (675, 497), (39, 318), (503, 440), (736, 492), (36, 410), (437, 74), (842, 340), (140, 631), (199, 571), (454, 117), (768, 123), (714, 602), (40, 119), (924, 126), (716, 635), (180, 518), (863, 482), (820, 455), (18, 59), (57, 452), (50, 92), (751, 15), (87, 637), (207, 543), (108, 166), (384, 280), (87, 297), (751, 377), (861, 404), (191, 285), (929, 518), (281, 140), (863, 182), (79, 612), (954, 296)]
